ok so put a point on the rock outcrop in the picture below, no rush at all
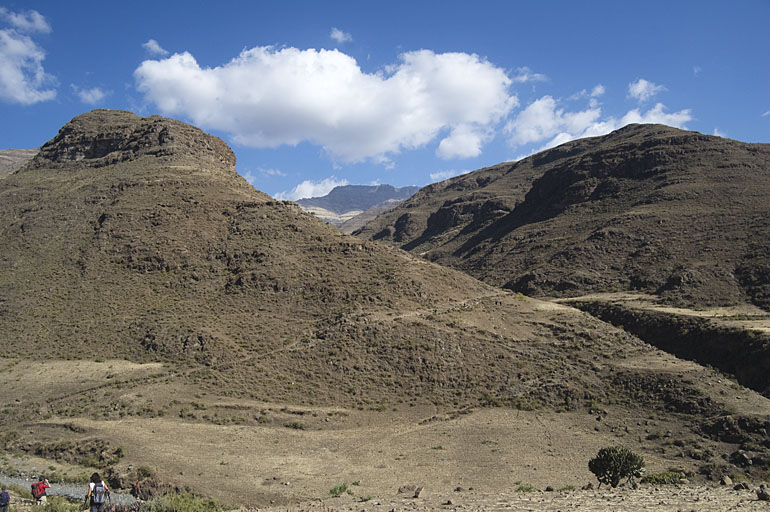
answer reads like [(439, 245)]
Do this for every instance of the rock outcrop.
[(107, 137)]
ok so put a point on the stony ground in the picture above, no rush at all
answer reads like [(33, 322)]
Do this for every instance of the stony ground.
[(701, 498)]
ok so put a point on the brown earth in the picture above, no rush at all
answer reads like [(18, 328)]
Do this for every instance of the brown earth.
[(157, 311), (647, 208)]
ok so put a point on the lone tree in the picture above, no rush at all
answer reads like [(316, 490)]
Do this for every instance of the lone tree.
[(613, 464)]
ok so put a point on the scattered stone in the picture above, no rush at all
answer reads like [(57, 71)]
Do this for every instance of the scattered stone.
[(740, 486), (449, 502), (418, 492), (406, 489), (740, 458), (588, 486), (684, 481), (762, 493), (459, 489), (726, 480), (549, 489)]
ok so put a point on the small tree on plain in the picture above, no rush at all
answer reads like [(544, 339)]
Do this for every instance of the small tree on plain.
[(615, 463)]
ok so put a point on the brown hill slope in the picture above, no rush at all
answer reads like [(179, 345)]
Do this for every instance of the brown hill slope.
[(138, 235), (155, 307), (647, 208)]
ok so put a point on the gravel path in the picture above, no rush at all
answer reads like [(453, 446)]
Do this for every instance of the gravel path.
[(69, 490)]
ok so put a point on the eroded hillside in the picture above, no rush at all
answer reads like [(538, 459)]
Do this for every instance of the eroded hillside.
[(647, 208)]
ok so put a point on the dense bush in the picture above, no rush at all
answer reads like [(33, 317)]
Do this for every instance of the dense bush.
[(613, 464)]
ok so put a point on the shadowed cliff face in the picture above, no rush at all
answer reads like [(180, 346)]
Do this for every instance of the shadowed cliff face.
[(646, 208)]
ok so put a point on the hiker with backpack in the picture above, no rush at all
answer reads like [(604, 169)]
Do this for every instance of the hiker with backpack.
[(5, 500), (38, 490), (98, 493)]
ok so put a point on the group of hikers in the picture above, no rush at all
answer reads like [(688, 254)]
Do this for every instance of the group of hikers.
[(95, 499)]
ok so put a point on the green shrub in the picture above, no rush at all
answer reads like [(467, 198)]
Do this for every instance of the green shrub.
[(615, 463), (182, 503), (56, 504), (298, 425), (338, 490), (145, 472), (666, 478), (21, 492), (525, 488)]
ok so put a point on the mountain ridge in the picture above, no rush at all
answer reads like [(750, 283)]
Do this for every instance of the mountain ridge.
[(624, 211), (345, 198), (350, 207)]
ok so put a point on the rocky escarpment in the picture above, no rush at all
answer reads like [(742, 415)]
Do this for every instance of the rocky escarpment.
[(744, 353), (107, 137)]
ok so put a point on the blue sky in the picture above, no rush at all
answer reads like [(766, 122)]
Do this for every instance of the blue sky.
[(313, 94)]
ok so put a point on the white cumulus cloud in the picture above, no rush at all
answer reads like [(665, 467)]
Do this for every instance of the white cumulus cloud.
[(597, 91), (657, 115), (311, 189), (719, 133), (543, 120), (267, 97), (340, 36), (30, 21), (153, 48), (22, 77), (642, 90), (462, 142), (90, 96)]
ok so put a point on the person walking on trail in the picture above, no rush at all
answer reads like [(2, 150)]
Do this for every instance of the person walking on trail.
[(38, 490), (98, 493), (5, 500)]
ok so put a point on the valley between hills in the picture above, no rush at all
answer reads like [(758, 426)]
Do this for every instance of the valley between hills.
[(165, 323)]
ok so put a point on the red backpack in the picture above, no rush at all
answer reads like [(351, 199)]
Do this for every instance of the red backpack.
[(37, 490)]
